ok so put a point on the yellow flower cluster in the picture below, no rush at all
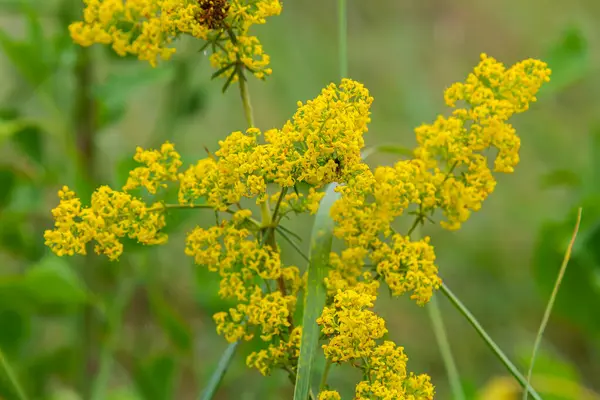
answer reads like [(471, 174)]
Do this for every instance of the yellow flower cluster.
[(148, 28), (449, 172), (161, 166), (321, 144), (244, 265), (453, 148), (353, 331), (280, 354), (112, 215)]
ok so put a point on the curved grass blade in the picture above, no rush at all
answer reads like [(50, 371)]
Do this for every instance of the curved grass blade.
[(11, 376), (217, 376), (320, 247), (488, 340), (546, 317)]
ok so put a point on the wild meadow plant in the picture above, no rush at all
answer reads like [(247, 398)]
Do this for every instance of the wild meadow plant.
[(258, 178)]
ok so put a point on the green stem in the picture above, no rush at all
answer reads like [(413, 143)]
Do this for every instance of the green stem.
[(343, 38), (488, 340), (229, 353), (325, 375), (246, 99), (442, 340), (548, 310), (12, 377)]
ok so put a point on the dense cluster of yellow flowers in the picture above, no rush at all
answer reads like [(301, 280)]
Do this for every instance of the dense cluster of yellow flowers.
[(321, 144), (354, 332), (148, 28), (449, 172)]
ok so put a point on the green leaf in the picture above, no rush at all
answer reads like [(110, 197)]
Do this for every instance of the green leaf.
[(215, 380), (31, 58), (568, 59), (30, 141), (10, 127), (16, 328), (561, 178), (8, 182), (155, 378), (48, 285), (321, 241), (174, 325), (592, 185), (116, 90), (52, 282)]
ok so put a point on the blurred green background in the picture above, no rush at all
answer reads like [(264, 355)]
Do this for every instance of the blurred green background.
[(141, 328)]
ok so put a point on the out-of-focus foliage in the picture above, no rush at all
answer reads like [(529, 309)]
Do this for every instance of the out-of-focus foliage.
[(141, 329)]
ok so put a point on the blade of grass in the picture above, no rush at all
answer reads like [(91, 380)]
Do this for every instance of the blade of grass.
[(321, 240), (11, 377), (488, 340), (439, 331), (561, 274), (217, 376)]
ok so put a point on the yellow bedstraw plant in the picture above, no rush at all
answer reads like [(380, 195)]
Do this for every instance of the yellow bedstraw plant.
[(321, 144), (283, 171), (147, 29)]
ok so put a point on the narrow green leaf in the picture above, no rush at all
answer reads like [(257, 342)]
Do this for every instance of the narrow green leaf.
[(488, 340), (217, 376), (561, 273), (7, 370), (321, 240), (222, 70)]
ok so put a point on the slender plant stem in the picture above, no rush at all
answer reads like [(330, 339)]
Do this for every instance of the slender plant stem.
[(550, 304), (229, 353), (343, 38), (325, 375), (439, 330), (246, 99), (488, 340), (85, 121), (12, 377)]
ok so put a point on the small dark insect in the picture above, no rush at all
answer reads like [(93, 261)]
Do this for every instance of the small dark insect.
[(212, 13), (338, 163)]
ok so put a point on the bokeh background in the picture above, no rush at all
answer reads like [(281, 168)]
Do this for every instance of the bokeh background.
[(141, 328)]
